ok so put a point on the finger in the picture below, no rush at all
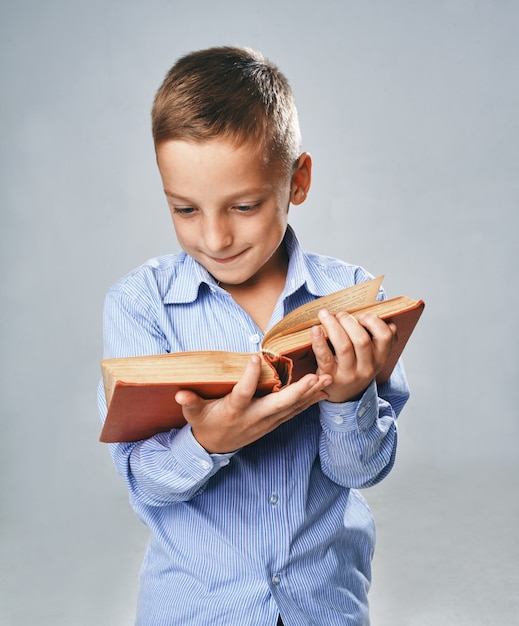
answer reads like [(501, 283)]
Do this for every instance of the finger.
[(343, 332), (187, 398), (245, 388), (382, 335), (191, 404), (310, 386), (296, 397), (366, 360), (323, 355)]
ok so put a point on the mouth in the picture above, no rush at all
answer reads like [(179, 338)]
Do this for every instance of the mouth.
[(226, 260)]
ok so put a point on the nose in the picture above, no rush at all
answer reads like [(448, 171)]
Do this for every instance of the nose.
[(217, 234)]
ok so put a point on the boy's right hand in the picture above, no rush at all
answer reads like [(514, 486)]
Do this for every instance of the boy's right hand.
[(229, 423)]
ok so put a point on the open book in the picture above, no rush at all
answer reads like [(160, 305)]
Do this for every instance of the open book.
[(140, 391)]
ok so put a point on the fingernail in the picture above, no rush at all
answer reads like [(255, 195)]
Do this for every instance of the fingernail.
[(316, 331)]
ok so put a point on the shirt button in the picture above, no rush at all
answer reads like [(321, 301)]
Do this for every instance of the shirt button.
[(361, 411), (274, 498), (254, 338), (276, 579), (204, 464), (338, 419)]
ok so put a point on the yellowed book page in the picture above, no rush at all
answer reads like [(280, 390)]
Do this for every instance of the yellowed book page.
[(284, 343), (183, 366), (385, 308), (306, 316), (180, 367)]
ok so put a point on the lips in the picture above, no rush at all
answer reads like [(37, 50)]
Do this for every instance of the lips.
[(226, 260)]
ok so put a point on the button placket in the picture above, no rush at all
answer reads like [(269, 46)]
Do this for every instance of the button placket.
[(244, 322)]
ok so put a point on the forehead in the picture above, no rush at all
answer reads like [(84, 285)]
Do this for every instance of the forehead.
[(184, 162)]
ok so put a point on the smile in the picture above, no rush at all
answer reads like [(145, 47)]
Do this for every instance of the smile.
[(226, 260)]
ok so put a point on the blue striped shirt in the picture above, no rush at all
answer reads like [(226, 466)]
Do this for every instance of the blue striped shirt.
[(279, 526)]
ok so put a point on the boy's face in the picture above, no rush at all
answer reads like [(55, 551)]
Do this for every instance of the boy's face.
[(229, 207)]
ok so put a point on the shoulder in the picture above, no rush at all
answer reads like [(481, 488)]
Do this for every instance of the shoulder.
[(343, 273), (322, 274), (152, 279)]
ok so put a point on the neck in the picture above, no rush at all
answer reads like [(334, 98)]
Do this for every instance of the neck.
[(258, 296)]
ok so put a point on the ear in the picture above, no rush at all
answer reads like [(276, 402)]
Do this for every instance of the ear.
[(301, 179)]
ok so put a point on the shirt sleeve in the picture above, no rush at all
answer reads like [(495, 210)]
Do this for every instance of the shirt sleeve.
[(168, 467), (358, 440)]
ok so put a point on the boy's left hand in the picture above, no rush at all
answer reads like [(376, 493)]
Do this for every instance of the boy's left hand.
[(361, 347)]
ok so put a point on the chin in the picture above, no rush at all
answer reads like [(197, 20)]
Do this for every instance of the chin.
[(234, 281)]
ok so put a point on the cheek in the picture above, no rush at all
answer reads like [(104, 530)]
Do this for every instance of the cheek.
[(184, 234)]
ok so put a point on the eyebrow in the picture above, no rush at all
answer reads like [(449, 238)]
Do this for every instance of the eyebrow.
[(231, 198), (171, 194)]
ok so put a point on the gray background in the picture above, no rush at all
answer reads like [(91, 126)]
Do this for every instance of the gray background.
[(410, 111)]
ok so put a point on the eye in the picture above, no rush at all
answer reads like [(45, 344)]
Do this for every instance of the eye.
[(185, 210), (245, 208)]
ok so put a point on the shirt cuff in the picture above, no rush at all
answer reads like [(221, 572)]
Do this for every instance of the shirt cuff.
[(194, 458), (344, 416)]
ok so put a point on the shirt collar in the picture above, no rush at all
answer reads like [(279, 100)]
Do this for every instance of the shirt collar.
[(186, 284), (302, 272)]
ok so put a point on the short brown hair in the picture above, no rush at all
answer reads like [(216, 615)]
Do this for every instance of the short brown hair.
[(228, 92)]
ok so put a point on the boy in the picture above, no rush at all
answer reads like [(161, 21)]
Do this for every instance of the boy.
[(252, 506)]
